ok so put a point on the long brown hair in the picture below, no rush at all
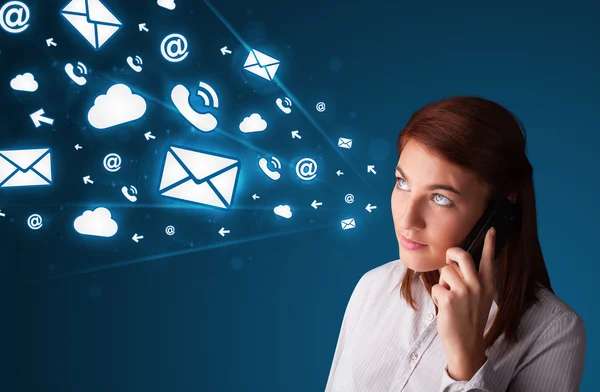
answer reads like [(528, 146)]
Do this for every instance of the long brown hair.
[(485, 138)]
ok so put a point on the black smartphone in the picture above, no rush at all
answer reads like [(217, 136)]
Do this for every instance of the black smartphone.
[(504, 216)]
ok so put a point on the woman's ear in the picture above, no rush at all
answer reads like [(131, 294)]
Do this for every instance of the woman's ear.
[(513, 197)]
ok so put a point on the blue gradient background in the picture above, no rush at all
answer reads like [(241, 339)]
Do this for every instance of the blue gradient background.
[(261, 308)]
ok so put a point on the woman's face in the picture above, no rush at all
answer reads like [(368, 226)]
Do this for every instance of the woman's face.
[(426, 209)]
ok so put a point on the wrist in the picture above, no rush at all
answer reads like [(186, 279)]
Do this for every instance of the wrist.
[(463, 369)]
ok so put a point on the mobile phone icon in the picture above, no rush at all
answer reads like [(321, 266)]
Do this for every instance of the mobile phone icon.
[(205, 122), (79, 79), (272, 174), (504, 216)]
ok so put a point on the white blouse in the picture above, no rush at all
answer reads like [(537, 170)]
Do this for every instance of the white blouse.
[(385, 345)]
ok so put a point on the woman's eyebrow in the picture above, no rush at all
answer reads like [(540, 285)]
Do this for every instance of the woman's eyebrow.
[(432, 186)]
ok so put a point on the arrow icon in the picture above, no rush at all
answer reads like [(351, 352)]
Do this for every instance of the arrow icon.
[(255, 196), (87, 180), (137, 237), (78, 147), (370, 208), (315, 204), (50, 42), (295, 134), (142, 27), (149, 135), (225, 51), (223, 232), (371, 168), (339, 173), (38, 118)]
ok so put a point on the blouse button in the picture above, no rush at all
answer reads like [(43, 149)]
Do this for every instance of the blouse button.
[(430, 316), (413, 356)]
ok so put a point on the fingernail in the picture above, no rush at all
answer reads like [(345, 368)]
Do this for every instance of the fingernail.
[(493, 231)]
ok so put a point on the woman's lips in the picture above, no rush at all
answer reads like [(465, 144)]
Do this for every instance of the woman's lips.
[(410, 245)]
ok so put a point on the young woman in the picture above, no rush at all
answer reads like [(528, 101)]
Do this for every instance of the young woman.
[(430, 321)]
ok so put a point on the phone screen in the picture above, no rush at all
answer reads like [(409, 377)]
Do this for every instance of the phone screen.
[(504, 216)]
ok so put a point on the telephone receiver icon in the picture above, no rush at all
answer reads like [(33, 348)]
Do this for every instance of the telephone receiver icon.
[(286, 109), (135, 67), (80, 80), (131, 198), (180, 96), (273, 175)]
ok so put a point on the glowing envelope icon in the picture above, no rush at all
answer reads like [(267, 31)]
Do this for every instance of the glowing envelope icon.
[(199, 177), (92, 20), (262, 65)]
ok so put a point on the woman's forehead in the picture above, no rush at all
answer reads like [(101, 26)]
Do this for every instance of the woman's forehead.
[(421, 166)]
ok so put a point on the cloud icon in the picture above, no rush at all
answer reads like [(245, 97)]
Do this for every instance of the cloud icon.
[(168, 4), (25, 82), (283, 210), (253, 124), (119, 105), (97, 223)]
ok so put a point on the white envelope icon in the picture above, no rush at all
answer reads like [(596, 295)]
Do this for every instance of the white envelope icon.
[(199, 177), (344, 143), (262, 65), (20, 168), (93, 21), (348, 224)]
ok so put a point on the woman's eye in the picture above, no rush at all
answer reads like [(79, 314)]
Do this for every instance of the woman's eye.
[(398, 181), (438, 199), (445, 201)]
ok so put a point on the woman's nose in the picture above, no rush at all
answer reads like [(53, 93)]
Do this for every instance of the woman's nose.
[(411, 216)]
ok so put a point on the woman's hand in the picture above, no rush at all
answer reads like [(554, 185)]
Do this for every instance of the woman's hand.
[(464, 298)]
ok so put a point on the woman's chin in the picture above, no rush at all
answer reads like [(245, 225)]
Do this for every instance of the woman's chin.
[(418, 263)]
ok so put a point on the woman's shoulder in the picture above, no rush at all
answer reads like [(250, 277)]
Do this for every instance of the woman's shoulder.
[(552, 317), (382, 277), (553, 307)]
